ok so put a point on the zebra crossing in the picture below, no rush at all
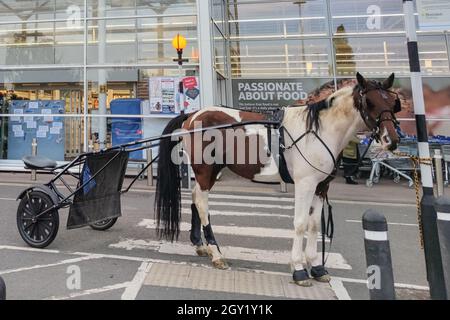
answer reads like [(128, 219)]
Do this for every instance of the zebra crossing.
[(245, 226)]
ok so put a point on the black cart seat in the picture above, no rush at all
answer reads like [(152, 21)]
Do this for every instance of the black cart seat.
[(39, 163)]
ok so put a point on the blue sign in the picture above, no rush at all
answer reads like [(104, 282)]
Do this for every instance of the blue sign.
[(36, 119)]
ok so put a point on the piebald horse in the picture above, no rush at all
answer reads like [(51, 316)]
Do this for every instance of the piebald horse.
[(310, 161)]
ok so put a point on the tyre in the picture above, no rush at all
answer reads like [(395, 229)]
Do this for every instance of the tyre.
[(104, 224), (37, 231)]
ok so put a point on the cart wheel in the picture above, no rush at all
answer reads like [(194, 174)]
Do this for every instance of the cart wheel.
[(376, 180), (369, 183), (397, 179), (37, 232), (104, 224), (410, 184)]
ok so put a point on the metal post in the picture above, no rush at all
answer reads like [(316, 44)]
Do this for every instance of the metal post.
[(33, 153), (378, 256), (442, 207), (283, 187), (150, 168), (2, 289), (438, 172), (428, 217)]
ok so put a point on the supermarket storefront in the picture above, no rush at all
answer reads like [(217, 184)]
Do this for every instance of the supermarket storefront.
[(64, 64)]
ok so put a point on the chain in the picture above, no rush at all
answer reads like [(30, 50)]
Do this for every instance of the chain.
[(417, 161)]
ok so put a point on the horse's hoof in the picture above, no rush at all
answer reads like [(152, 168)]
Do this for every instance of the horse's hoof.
[(324, 278), (201, 251), (220, 264), (319, 273), (304, 283)]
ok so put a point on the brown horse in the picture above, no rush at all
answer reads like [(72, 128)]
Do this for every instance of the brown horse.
[(314, 136)]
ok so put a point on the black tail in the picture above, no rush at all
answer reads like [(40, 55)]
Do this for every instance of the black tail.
[(168, 193)]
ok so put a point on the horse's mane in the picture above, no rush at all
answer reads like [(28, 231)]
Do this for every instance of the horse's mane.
[(313, 113), (313, 110)]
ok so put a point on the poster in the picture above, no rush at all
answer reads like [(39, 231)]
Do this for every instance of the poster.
[(164, 96), (436, 93), (434, 14), (267, 94)]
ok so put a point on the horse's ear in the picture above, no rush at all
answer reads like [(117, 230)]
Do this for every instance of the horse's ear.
[(361, 81), (387, 84)]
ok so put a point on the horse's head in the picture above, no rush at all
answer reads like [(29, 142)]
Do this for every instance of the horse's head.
[(378, 105)]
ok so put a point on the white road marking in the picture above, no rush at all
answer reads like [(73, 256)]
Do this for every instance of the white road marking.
[(397, 285), (334, 261), (236, 231), (68, 261), (240, 214), (29, 249), (90, 291), (259, 271), (239, 197), (243, 204), (339, 289), (135, 285), (8, 199), (389, 223)]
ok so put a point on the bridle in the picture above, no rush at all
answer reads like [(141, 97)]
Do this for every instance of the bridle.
[(374, 124)]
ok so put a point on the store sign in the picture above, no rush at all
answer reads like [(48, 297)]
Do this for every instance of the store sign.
[(434, 14), (268, 94), (164, 97)]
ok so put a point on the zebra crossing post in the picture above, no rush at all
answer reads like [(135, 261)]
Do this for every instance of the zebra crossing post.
[(2, 289), (378, 256), (442, 207), (428, 218)]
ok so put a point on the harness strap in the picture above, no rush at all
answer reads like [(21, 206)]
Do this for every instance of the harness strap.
[(294, 144), (327, 228)]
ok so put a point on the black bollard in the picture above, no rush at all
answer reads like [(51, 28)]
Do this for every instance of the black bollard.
[(380, 276), (442, 206), (2, 289)]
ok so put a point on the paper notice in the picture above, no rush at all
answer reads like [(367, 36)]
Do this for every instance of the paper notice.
[(46, 111), (33, 105), (17, 127), (55, 130), (19, 133), (48, 119), (43, 128), (31, 124), (57, 124), (17, 111), (41, 134)]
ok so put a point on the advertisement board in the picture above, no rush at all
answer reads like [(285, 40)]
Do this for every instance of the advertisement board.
[(164, 97)]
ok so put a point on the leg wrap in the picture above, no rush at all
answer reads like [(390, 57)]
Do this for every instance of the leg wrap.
[(209, 235), (300, 275), (196, 232), (318, 271)]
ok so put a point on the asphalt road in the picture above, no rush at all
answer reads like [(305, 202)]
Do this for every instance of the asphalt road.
[(253, 230)]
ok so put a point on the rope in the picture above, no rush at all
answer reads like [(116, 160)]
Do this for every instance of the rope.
[(417, 161)]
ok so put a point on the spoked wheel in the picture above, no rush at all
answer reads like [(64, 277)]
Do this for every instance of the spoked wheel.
[(37, 232), (104, 224)]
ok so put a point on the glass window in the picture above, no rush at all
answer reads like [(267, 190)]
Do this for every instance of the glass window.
[(371, 56), (41, 43), (141, 7), (433, 54), (278, 19), (31, 10), (366, 16), (290, 58), (143, 40)]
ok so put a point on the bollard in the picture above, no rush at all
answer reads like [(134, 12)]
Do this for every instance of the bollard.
[(439, 173), (2, 289), (378, 256), (150, 167), (33, 153), (283, 187), (442, 206)]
